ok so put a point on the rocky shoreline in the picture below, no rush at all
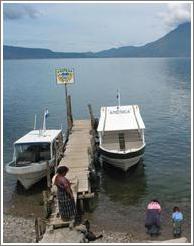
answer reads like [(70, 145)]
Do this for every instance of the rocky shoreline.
[(22, 230), (18, 229)]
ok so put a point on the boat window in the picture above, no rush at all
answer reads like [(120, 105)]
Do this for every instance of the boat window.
[(122, 141), (32, 152)]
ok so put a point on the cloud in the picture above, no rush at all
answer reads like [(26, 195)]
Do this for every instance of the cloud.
[(176, 14), (20, 11)]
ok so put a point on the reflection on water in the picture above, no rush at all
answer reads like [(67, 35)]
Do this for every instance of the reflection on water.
[(177, 72), (126, 188)]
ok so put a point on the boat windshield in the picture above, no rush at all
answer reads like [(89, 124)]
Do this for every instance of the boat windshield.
[(32, 152)]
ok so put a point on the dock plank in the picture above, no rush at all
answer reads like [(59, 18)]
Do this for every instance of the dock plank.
[(76, 154)]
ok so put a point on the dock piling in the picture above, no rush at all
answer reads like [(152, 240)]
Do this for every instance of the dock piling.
[(40, 228), (48, 175), (91, 116), (70, 111)]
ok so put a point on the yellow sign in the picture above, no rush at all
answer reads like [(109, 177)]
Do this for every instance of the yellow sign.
[(64, 76)]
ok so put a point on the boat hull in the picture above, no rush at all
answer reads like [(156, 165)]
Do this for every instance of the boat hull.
[(122, 161), (28, 175)]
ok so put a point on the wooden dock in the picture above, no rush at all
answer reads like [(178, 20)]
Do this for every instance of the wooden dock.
[(77, 158)]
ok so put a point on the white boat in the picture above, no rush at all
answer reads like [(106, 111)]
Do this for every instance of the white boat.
[(121, 136), (34, 153)]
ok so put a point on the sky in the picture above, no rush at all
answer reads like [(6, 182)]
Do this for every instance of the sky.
[(89, 26)]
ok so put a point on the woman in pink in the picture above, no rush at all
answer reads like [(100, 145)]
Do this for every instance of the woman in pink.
[(152, 222)]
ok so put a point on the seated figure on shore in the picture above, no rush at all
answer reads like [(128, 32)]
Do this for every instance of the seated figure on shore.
[(152, 222), (177, 218), (89, 234), (67, 208)]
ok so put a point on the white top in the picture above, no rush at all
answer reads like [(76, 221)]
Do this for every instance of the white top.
[(122, 118), (39, 136)]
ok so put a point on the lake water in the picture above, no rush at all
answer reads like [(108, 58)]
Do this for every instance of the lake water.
[(162, 89)]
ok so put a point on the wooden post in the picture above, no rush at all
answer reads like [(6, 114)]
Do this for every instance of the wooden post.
[(70, 118), (37, 230), (90, 156), (48, 175), (71, 111), (56, 156), (67, 108), (68, 115), (71, 114), (45, 201), (81, 203), (40, 228), (91, 116)]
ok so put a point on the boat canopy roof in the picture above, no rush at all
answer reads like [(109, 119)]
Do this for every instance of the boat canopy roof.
[(39, 136), (120, 118)]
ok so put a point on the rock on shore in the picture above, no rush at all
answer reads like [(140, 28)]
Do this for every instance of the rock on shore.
[(113, 237)]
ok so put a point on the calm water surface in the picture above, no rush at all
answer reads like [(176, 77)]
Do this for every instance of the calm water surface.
[(162, 89)]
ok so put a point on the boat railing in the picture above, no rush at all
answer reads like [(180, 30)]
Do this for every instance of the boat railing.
[(104, 121), (139, 129), (11, 163)]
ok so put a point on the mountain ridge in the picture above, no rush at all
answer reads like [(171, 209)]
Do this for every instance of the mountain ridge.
[(176, 43)]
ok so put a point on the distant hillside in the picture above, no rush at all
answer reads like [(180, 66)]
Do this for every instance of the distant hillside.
[(12, 52), (176, 43)]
